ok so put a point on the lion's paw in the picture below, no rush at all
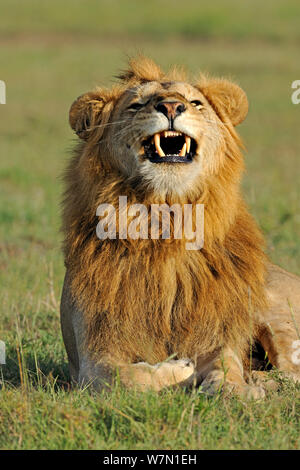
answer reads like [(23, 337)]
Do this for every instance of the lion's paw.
[(214, 383), (265, 380), (252, 392), (173, 372)]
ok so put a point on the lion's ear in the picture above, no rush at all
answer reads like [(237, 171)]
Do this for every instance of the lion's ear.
[(85, 114), (228, 99)]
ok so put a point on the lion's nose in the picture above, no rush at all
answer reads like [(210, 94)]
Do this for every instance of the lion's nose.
[(170, 109)]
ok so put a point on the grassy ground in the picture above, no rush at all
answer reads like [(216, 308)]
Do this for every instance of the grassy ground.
[(49, 55)]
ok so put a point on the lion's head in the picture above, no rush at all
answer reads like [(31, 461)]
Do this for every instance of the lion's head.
[(159, 130)]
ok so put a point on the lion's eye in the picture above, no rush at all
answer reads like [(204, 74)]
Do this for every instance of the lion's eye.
[(197, 104), (136, 106)]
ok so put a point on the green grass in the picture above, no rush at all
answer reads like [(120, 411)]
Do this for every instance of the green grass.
[(49, 55), (45, 415), (272, 19)]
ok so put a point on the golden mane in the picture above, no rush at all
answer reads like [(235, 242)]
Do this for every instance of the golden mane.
[(195, 300)]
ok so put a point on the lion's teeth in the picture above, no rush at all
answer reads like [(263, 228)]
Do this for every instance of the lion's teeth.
[(157, 145), (157, 140), (171, 134), (186, 146), (183, 151), (188, 143)]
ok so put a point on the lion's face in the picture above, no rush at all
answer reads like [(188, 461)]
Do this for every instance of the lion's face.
[(168, 134)]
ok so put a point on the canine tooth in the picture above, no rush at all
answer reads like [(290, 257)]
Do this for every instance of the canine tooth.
[(183, 151), (160, 152), (157, 145), (188, 143)]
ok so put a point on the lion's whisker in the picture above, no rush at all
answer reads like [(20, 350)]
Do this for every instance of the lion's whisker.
[(105, 125)]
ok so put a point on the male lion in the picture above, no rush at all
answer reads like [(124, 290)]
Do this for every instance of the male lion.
[(152, 310)]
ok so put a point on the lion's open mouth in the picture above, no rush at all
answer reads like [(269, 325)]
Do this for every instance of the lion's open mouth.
[(169, 147)]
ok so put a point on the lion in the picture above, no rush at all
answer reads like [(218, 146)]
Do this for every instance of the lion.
[(149, 312)]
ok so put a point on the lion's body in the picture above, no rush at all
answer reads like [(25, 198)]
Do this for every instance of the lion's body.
[(133, 303)]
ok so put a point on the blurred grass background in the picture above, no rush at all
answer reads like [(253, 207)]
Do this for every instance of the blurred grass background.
[(51, 52)]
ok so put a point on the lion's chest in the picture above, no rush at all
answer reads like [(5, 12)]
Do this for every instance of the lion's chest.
[(161, 306)]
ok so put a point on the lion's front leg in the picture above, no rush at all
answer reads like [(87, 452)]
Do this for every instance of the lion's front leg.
[(225, 372), (86, 371), (142, 375)]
